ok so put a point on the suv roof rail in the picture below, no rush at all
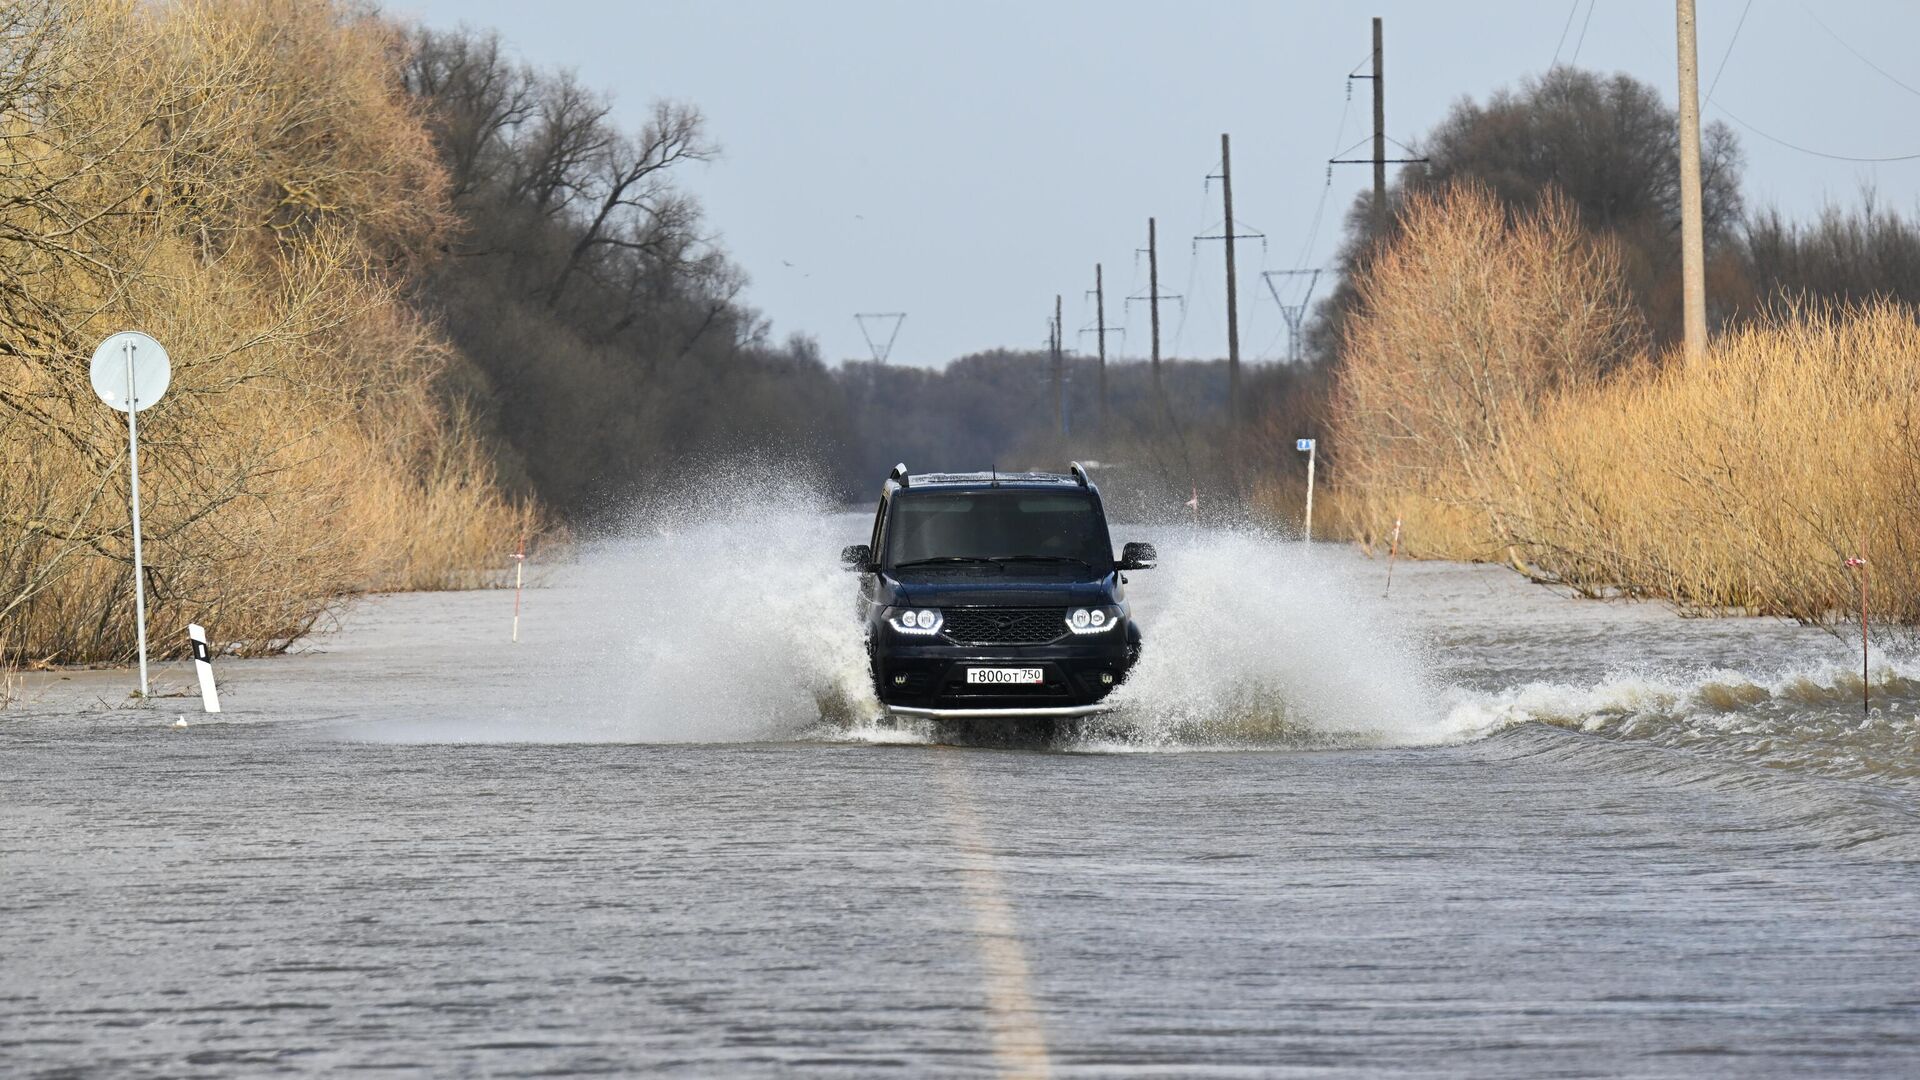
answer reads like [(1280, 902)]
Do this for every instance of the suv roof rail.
[(899, 474), (1079, 473)]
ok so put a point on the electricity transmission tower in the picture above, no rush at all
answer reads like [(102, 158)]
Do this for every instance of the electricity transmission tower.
[(879, 349), (1295, 314)]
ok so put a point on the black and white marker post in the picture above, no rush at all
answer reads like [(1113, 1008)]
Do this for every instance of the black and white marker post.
[(203, 665), (1306, 446), (130, 372)]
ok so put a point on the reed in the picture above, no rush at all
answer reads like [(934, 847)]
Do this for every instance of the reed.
[(1496, 395), (1742, 481)]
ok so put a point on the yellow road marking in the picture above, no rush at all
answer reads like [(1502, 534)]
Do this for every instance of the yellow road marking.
[(1019, 1039)]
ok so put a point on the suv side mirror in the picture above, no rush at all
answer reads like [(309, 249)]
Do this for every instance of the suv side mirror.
[(856, 556), (1137, 556)]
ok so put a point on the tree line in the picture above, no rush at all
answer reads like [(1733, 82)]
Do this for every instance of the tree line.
[(613, 345)]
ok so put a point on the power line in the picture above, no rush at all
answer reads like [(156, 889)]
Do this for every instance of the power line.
[(1583, 34), (1856, 52), (1571, 12), (1808, 150), (1722, 69), (1326, 189), (1772, 138)]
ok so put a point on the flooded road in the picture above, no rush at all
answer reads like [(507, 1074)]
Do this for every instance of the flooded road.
[(1474, 829)]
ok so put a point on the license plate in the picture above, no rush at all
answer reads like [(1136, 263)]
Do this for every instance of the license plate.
[(1005, 675)]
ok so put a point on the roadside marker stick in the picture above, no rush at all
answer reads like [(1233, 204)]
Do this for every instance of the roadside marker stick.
[(1391, 552), (1308, 445), (519, 566), (203, 665), (1866, 689)]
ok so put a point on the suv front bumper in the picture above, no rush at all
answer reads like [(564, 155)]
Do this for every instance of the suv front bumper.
[(930, 680)]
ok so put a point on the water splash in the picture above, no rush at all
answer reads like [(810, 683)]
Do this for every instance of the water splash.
[(723, 616), (1252, 640)]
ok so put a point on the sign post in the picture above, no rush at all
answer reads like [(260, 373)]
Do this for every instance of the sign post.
[(130, 372), (1391, 552), (1306, 446), (519, 567)]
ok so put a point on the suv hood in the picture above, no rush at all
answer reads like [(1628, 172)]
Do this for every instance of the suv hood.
[(1001, 593)]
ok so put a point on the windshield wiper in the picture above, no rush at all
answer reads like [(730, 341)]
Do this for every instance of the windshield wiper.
[(938, 559), (1040, 558)]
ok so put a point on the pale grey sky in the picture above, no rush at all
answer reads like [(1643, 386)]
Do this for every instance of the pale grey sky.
[(964, 162)]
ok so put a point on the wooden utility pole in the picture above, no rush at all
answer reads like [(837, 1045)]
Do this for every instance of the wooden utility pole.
[(1379, 132), (1059, 395), (1379, 217), (1153, 300), (1100, 314), (1692, 243), (1233, 300)]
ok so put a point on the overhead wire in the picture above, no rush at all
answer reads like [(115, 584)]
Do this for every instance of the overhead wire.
[(1572, 10), (1326, 189), (1775, 139), (1725, 56), (1809, 150), (1862, 57), (1583, 34)]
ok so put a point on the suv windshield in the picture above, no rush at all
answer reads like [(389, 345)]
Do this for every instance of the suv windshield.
[(1008, 525)]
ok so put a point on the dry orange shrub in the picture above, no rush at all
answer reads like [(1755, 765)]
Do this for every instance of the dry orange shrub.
[(1465, 325), (1493, 395), (244, 180)]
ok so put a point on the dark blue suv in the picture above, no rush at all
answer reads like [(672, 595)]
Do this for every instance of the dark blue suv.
[(995, 595)]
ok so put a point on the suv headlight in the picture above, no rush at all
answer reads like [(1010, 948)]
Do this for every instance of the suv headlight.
[(920, 622), (1093, 620)]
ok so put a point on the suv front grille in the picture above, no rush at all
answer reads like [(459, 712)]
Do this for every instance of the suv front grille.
[(1004, 626)]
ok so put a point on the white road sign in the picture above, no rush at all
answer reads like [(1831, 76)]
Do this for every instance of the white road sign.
[(130, 372), (130, 362)]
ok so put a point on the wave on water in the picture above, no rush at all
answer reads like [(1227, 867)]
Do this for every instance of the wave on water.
[(1806, 718)]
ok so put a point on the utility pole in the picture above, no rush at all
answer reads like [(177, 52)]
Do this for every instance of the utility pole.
[(1100, 328), (1379, 132), (1100, 310), (1692, 244), (1230, 233), (1233, 300), (1152, 300), (1379, 160), (1059, 397), (1153, 304)]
